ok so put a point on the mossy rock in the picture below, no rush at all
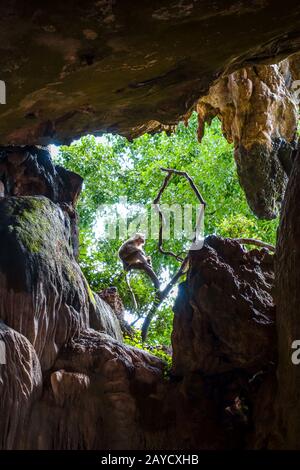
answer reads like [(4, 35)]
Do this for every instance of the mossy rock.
[(44, 293)]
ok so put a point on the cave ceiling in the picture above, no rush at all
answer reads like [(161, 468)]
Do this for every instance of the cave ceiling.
[(127, 67)]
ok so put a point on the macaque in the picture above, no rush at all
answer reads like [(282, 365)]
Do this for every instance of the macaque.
[(133, 256), (131, 252)]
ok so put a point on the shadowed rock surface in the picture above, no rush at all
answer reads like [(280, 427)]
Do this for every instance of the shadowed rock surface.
[(105, 395), (286, 431), (126, 66), (20, 385), (97, 393), (103, 318), (224, 313), (44, 295), (29, 170), (94, 404), (112, 297)]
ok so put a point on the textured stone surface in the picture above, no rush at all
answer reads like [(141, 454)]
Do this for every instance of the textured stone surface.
[(123, 65), (112, 297), (20, 386), (29, 170), (259, 113), (103, 318), (287, 294), (97, 400), (67, 387), (128, 67), (105, 395), (43, 292), (224, 313)]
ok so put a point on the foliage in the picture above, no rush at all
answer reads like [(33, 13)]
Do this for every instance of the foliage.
[(112, 168), (136, 341)]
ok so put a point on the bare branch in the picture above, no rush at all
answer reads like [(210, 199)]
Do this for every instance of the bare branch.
[(161, 295), (160, 239), (190, 180), (170, 173), (162, 188), (253, 241), (161, 219)]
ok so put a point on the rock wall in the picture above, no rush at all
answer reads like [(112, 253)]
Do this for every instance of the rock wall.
[(126, 66), (103, 318), (258, 107), (43, 294), (20, 385), (224, 332), (225, 314), (45, 299), (69, 380), (78, 388), (288, 327)]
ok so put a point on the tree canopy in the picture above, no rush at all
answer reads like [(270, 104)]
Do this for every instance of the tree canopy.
[(114, 168)]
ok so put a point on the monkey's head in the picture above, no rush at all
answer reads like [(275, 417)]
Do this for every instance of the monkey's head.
[(139, 238)]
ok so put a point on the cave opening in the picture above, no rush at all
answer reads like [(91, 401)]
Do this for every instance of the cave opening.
[(120, 181), (206, 88)]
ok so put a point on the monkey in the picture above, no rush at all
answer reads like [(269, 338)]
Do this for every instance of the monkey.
[(131, 252), (133, 256)]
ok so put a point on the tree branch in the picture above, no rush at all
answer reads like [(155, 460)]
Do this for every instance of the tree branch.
[(170, 172), (253, 241), (161, 295), (190, 180)]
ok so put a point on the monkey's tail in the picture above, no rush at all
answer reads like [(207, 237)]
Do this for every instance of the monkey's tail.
[(156, 303), (131, 292)]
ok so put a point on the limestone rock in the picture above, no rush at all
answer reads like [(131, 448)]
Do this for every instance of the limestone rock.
[(44, 295), (103, 318), (224, 313), (20, 386), (286, 429), (68, 386), (259, 112), (112, 297), (29, 171), (102, 395), (126, 66)]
